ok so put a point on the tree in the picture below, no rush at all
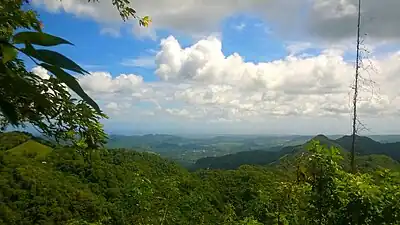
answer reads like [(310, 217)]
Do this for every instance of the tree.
[(46, 103), (355, 96)]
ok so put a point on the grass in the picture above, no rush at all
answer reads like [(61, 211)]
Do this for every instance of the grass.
[(31, 149)]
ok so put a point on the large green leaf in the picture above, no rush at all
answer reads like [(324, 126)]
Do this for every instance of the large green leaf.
[(72, 83), (8, 52), (38, 38), (9, 112), (53, 58)]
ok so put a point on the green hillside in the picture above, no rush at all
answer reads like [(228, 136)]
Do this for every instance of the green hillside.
[(187, 150), (234, 161), (31, 149), (366, 146), (376, 156), (127, 187), (9, 140)]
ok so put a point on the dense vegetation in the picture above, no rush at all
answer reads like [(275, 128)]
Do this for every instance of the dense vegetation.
[(44, 185), (187, 150), (81, 182), (381, 154)]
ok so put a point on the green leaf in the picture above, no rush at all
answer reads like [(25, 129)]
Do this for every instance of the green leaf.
[(53, 58), (72, 83), (9, 53), (38, 38), (8, 111)]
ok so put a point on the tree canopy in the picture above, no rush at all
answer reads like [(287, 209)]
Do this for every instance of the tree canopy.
[(42, 185)]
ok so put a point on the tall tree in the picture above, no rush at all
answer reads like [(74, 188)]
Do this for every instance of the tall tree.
[(355, 97)]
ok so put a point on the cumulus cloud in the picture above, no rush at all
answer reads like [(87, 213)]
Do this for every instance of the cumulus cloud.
[(201, 85), (41, 72), (329, 20), (205, 61), (105, 83)]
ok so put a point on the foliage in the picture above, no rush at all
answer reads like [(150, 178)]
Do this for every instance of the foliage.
[(30, 149), (9, 140), (60, 185), (126, 12), (44, 103), (126, 187)]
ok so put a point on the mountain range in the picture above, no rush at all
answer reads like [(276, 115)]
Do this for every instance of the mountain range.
[(370, 154), (231, 152)]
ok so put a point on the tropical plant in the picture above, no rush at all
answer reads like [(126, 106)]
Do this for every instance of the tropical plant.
[(46, 104)]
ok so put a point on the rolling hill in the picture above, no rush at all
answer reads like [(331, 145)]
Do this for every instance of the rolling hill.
[(371, 154), (24, 144), (30, 149), (10, 140), (367, 146)]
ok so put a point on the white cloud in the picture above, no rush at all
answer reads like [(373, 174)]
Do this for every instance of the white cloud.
[(205, 61), (295, 48), (239, 27), (103, 82), (330, 20), (112, 106), (333, 19), (41, 72), (191, 17), (201, 87), (144, 62)]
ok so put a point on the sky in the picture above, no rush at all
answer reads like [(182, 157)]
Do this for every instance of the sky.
[(233, 66)]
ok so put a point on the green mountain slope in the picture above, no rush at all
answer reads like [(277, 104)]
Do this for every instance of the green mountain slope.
[(367, 146), (31, 149), (9, 140), (371, 159), (233, 161), (126, 187)]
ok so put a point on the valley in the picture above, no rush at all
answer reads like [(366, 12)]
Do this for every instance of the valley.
[(230, 152)]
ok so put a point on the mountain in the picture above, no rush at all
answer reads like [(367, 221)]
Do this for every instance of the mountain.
[(372, 154), (16, 144), (233, 161), (31, 149), (367, 146), (386, 138), (9, 140)]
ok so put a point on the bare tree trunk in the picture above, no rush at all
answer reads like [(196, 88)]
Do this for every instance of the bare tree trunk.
[(353, 144)]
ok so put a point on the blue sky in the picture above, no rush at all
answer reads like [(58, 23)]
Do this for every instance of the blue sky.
[(229, 67), (103, 51)]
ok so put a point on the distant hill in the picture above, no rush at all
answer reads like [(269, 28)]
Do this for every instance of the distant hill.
[(30, 149), (233, 161), (9, 140), (367, 146), (187, 150), (18, 143), (372, 154), (386, 138)]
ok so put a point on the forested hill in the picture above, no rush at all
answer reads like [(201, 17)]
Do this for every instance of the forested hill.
[(41, 184), (373, 152), (9, 140), (367, 146)]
